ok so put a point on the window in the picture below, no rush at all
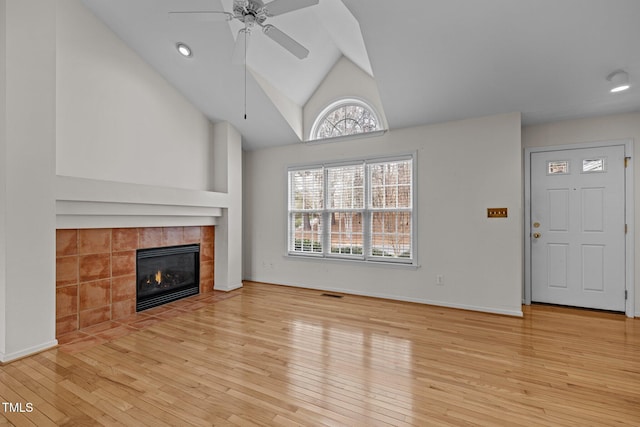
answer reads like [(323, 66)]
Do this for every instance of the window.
[(346, 208), (359, 210), (306, 205), (593, 165), (558, 167), (343, 118)]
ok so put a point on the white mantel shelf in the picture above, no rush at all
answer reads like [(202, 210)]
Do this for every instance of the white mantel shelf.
[(90, 203)]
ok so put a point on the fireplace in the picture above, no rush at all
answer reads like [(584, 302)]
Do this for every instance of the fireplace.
[(166, 274)]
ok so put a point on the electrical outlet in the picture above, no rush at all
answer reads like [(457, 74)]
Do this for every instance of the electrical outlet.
[(439, 279)]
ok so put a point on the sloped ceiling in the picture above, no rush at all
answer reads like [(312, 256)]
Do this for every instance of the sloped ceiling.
[(433, 60), (213, 83), (442, 60)]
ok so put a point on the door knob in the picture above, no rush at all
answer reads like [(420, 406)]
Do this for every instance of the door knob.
[(536, 235)]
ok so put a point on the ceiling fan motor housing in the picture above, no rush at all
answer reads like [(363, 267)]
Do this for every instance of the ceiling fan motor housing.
[(250, 11)]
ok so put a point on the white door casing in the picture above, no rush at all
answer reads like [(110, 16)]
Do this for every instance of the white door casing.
[(577, 250)]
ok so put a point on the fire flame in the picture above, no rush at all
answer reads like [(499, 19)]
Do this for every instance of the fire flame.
[(159, 277)]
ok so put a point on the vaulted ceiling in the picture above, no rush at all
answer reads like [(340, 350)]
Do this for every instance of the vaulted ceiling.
[(433, 60)]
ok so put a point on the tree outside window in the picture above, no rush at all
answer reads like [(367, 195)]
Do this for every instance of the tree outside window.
[(343, 118)]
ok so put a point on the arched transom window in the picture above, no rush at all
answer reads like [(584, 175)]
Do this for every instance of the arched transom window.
[(345, 117)]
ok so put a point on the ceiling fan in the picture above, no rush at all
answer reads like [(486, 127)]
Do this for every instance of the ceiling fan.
[(254, 13)]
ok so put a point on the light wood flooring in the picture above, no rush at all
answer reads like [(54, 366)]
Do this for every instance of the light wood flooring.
[(271, 355)]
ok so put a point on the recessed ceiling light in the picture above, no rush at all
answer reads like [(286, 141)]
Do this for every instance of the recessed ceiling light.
[(619, 81), (183, 49)]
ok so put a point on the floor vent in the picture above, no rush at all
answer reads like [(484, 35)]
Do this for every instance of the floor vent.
[(332, 295)]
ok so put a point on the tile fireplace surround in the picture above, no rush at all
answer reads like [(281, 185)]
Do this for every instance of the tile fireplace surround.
[(96, 270)]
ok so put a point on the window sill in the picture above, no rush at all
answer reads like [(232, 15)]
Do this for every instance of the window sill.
[(320, 258), (346, 137)]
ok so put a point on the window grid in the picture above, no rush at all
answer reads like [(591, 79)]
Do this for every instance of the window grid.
[(306, 203), (307, 190), (346, 236), (346, 227), (306, 232), (391, 234), (345, 117), (390, 203), (345, 188)]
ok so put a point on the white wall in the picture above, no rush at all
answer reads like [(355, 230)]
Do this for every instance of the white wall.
[(228, 164), (3, 178), (605, 128), (463, 168), (28, 169), (119, 120)]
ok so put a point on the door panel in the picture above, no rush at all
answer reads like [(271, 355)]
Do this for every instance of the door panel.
[(592, 268), (559, 209), (593, 210), (577, 226), (558, 261)]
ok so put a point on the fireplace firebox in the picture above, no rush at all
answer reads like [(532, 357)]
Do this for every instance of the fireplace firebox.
[(166, 274)]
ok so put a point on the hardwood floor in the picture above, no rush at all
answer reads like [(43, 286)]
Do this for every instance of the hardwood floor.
[(284, 356)]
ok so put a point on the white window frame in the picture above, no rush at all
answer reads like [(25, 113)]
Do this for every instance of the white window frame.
[(367, 212), (317, 211), (343, 102)]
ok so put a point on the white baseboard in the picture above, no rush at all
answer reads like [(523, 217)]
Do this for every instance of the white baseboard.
[(492, 310), (228, 288), (10, 357)]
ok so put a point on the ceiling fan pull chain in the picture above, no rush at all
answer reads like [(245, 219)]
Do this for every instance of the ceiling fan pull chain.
[(245, 70), (254, 13)]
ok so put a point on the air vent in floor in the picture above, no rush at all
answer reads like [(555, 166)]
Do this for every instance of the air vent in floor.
[(332, 295)]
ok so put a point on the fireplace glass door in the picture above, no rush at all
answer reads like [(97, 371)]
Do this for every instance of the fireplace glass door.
[(166, 274)]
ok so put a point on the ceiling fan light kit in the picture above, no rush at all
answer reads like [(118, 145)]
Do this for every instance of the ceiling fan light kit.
[(619, 81)]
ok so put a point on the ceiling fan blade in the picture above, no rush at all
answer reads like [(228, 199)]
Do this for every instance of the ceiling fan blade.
[(239, 50), (278, 7), (285, 41), (202, 15)]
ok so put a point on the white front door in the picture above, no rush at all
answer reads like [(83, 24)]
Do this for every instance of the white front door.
[(578, 227)]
